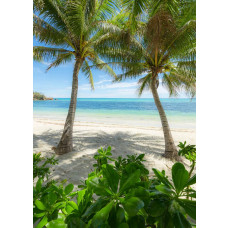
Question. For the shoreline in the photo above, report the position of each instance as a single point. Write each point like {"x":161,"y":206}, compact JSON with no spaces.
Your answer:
{"x":97,"y":124}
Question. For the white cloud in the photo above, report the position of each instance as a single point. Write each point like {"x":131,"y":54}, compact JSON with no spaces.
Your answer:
{"x":45,"y":63}
{"x":119,"y":85}
{"x":102,"y":82}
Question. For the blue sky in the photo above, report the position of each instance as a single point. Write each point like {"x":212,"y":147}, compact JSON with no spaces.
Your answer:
{"x":57,"y":83}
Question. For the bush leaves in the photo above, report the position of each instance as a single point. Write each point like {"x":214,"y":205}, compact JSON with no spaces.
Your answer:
{"x":133,"y":205}
{"x":180,"y":176}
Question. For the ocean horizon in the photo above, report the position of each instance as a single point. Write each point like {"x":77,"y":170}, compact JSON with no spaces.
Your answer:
{"x":181,"y":112}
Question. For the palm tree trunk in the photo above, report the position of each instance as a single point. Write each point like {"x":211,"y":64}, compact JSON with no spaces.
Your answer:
{"x":66,"y":142}
{"x":170,"y":148}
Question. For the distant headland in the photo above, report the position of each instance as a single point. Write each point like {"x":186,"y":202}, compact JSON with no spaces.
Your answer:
{"x":40,"y":97}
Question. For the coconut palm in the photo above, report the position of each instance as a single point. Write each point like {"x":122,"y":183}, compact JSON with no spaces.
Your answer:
{"x":155,"y":41}
{"x":70,"y":30}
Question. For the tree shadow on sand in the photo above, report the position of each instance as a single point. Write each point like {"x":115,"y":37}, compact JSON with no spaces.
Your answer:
{"x":76,"y":165}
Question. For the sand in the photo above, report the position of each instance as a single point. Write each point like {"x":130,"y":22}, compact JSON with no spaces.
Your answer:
{"x":88,"y":137}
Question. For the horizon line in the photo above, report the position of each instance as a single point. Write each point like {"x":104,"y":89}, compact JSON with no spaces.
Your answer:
{"x":126,"y":98}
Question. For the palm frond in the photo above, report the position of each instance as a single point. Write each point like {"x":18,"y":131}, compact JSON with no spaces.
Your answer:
{"x":183,"y":40}
{"x":53,"y":12}
{"x":99,"y":64}
{"x":135,"y":9}
{"x":144,"y":83}
{"x":88,"y":73}
{"x":44,"y":32}
{"x":61,"y":59}
{"x":171,"y":84}
{"x":45,"y":53}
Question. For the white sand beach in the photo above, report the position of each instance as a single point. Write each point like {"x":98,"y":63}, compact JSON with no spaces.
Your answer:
{"x":88,"y":137}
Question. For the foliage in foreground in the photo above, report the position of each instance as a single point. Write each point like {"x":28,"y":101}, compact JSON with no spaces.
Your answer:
{"x":118,"y":193}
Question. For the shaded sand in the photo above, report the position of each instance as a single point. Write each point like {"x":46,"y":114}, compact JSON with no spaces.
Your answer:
{"x":88,"y":137}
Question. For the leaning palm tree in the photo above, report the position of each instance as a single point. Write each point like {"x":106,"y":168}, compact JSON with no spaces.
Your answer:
{"x":155,"y":40}
{"x":70,"y":30}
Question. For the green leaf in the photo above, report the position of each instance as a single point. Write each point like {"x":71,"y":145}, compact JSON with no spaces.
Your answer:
{"x":141,"y":193}
{"x":112,"y":177}
{"x":56,"y":224}
{"x":191,"y":181}
{"x":162,"y":188}
{"x":52,"y":197}
{"x":43,"y":222}
{"x":156,"y":208}
{"x":180,"y":221}
{"x":120,"y":215}
{"x":101,"y":216}
{"x":73,"y":194}
{"x":98,"y":187}
{"x":109,"y":149}
{"x":59,"y":205}
{"x":68,"y":189}
{"x":162,"y":178}
{"x":141,"y":156}
{"x":133,"y":205}
{"x":39,"y":185}
{"x":126,"y":183}
{"x":180,"y":176}
{"x":80,"y":196}
{"x":73,"y":204}
{"x":40,"y":205}
{"x":101,"y":202}
{"x":69,"y":208}
{"x":39,"y":215}
{"x":189,"y":206}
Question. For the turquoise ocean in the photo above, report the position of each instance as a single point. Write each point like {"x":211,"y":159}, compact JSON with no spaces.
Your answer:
{"x":181,"y":112}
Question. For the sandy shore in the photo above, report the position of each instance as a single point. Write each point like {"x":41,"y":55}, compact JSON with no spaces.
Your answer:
{"x":88,"y":137}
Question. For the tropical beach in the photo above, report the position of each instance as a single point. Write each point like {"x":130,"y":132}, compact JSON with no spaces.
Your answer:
{"x":114,"y":149}
{"x":126,"y":128}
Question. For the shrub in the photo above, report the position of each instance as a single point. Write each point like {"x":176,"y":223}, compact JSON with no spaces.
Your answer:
{"x":41,"y":165}
{"x":118,"y":194}
{"x":38,"y":96}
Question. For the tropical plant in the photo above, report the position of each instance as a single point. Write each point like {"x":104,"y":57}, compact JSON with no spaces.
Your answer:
{"x":154,"y":40}
{"x":117,"y":196}
{"x":48,"y":200}
{"x":102,"y":158}
{"x":70,"y":29}
{"x":189,"y":152}
{"x":41,"y":165}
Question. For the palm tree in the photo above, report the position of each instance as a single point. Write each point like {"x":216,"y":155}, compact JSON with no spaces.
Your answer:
{"x":70,"y":29}
{"x":155,"y":40}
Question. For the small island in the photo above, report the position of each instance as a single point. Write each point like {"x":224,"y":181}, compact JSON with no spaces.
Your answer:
{"x":40,"y":97}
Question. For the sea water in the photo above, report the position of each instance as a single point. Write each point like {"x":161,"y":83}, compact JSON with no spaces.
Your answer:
{"x":181,"y":112}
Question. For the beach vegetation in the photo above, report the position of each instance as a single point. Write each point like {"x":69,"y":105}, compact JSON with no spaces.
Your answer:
{"x":70,"y":30}
{"x":41,"y":165}
{"x":116,"y":195}
{"x":155,"y":41}
{"x":40,"y":97}
{"x":189,"y":152}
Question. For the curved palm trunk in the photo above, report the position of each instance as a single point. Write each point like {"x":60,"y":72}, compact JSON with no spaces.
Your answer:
{"x":170,"y":148}
{"x":66,"y":143}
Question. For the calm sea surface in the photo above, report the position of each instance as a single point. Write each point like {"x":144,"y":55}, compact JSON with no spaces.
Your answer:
{"x":180,"y":112}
